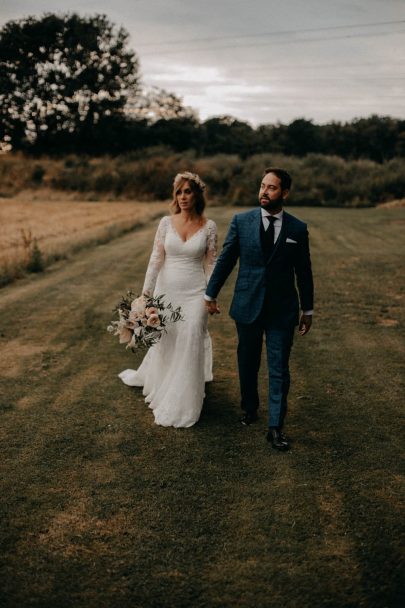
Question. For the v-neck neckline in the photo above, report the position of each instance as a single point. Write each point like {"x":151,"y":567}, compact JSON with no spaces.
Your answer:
{"x":191,"y":237}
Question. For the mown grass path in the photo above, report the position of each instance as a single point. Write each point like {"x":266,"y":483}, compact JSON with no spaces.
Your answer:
{"x":102,"y":508}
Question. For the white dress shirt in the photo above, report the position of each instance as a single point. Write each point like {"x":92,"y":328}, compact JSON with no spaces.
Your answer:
{"x":277,"y":223}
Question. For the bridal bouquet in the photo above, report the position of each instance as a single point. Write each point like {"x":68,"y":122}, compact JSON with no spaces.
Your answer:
{"x":142,"y":320}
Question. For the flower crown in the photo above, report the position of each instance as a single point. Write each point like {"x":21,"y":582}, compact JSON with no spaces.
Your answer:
{"x":190,"y":177}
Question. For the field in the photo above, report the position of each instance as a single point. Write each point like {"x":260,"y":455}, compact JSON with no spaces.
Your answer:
{"x":61,"y":227}
{"x":102,"y":508}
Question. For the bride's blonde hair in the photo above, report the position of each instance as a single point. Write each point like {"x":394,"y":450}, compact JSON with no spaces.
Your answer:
{"x":197,"y":187}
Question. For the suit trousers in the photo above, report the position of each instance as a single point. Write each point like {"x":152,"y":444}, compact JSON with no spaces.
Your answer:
{"x":278,"y":346}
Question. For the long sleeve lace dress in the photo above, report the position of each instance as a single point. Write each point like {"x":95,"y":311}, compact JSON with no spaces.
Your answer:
{"x":174,"y":371}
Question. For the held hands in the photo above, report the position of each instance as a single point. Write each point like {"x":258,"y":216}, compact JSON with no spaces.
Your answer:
{"x":305,"y":324}
{"x":212,"y":307}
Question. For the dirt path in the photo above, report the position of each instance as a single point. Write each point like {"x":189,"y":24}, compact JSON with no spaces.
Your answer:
{"x":102,"y":508}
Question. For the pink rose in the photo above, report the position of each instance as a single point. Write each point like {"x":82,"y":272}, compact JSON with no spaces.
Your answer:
{"x":151,"y":311}
{"x":153,"y":321}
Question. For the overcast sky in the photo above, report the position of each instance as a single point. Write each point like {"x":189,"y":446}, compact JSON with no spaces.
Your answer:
{"x":261,"y":61}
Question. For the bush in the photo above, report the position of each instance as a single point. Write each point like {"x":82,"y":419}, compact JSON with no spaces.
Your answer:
{"x":38,"y":174}
{"x":318,"y":180}
{"x":36,"y":260}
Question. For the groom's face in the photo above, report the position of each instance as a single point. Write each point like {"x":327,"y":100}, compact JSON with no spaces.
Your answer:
{"x":271,"y":196}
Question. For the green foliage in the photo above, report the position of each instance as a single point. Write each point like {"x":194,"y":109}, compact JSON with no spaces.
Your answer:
{"x":71,"y":83}
{"x":60,"y":75}
{"x":318,"y":180}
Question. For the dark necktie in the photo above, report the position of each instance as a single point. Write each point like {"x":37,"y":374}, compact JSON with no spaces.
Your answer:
{"x":269,"y":234}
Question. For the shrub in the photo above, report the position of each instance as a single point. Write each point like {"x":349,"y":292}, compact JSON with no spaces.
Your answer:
{"x":36,"y":260}
{"x":38,"y":174}
{"x":318,"y":180}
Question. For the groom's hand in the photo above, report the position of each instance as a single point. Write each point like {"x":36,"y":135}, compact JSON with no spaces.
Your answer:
{"x":212,"y":307}
{"x":305,"y":324}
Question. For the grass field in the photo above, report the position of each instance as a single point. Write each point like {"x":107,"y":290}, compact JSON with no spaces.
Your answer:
{"x":102,"y":508}
{"x":61,"y":227}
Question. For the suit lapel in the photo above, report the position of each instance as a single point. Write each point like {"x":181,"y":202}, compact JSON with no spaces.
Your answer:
{"x":255,"y":222}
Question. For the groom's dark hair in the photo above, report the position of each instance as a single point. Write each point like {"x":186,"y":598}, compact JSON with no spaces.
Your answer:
{"x":283,"y":176}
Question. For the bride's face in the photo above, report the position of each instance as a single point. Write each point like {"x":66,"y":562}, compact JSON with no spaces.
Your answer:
{"x":185,"y":197}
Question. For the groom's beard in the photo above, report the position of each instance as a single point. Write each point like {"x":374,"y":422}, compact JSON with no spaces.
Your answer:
{"x":271,"y":205}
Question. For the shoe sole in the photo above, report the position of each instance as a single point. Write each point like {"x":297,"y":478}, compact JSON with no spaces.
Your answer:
{"x":281,"y":449}
{"x":244,"y":423}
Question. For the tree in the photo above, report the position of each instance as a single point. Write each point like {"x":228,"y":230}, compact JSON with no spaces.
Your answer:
{"x":158,"y":104}
{"x":227,"y":135}
{"x":302,"y":137}
{"x":178,"y":133}
{"x":61,"y":74}
{"x":376,"y":137}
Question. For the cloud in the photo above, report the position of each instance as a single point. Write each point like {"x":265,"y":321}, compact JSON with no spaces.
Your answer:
{"x":262,"y":61}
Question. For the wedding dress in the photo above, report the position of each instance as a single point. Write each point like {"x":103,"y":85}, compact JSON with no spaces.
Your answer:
{"x":174,"y":371}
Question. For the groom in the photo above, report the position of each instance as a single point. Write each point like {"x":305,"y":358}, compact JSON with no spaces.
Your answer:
{"x":273,"y":251}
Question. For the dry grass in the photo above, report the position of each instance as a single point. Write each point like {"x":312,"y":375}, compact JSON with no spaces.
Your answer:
{"x":399,"y":202}
{"x":101,"y":508}
{"x":62,"y":227}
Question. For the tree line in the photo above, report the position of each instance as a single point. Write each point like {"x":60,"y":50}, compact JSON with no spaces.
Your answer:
{"x":71,"y":84}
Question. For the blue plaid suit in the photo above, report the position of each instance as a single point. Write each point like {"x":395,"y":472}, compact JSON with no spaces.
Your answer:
{"x":265,"y":301}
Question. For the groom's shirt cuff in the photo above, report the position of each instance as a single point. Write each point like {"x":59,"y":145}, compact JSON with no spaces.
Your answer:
{"x":307,"y":312}
{"x":208,"y":298}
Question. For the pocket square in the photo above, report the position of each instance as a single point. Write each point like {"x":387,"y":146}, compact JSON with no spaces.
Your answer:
{"x":290,"y":241}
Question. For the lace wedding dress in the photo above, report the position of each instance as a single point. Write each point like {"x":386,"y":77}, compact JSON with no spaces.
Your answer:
{"x":174,"y":371}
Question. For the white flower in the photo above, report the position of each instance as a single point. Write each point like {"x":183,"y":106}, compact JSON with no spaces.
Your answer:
{"x":187,"y":175}
{"x":133,"y":316}
{"x":121,"y":315}
{"x":138,"y":305}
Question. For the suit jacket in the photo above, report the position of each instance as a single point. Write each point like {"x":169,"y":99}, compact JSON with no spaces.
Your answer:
{"x":266,"y":285}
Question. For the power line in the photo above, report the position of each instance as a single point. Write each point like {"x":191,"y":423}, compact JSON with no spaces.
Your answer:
{"x":279,"y":42}
{"x":400,"y":78}
{"x":317,"y":66}
{"x":270,"y":34}
{"x":293,"y":100}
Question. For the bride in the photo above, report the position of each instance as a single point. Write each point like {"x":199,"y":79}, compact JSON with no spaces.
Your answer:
{"x":174,"y":371}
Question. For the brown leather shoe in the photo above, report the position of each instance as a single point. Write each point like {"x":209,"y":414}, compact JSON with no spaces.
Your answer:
{"x":278,"y":440}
